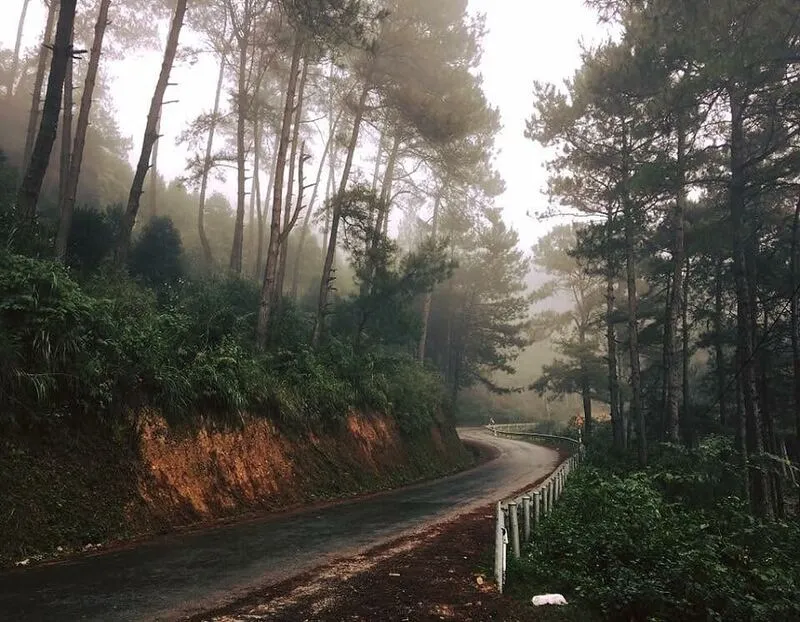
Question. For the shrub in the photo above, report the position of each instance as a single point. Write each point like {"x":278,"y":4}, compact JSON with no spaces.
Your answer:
{"x":156,"y":255}
{"x":91,"y":237}
{"x":114,"y":343}
{"x":616,"y":544}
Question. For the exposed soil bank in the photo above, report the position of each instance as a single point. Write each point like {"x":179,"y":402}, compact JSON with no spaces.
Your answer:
{"x":71,"y":487}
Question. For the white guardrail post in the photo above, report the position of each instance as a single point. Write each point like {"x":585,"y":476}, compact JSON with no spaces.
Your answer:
{"x":513,"y":521}
{"x":499,"y":548}
{"x":536,"y":504}
{"x":526,"y":518}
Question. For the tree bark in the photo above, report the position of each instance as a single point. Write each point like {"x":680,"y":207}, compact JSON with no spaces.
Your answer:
{"x":235,"y":264}
{"x":286,"y":229}
{"x":208,"y":258}
{"x":586,"y":389}
{"x":617,"y":423}
{"x":376,"y":172}
{"x":255,"y":195}
{"x":719,"y":351}
{"x":267,"y":300}
{"x":152,"y":209}
{"x":795,"y":315}
{"x":330,"y":189}
{"x":67,"y":208}
{"x":666,"y":356}
{"x":150,"y":135}
{"x":676,"y":307}
{"x":66,"y":132}
{"x":262,"y":215}
{"x":325,"y":281}
{"x":12,"y":76}
{"x":686,"y":423}
{"x":426,"y":305}
{"x":637,"y":412}
{"x":41,"y":67}
{"x":760,"y":500}
{"x":304,"y":231}
{"x":633,"y":339}
{"x":386,"y":187}
{"x":31,"y":187}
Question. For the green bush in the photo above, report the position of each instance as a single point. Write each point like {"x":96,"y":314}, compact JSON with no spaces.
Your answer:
{"x":113,"y":343}
{"x":156,"y":254}
{"x":617,"y":545}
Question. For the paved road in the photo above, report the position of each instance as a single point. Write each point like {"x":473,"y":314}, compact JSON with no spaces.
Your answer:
{"x":171,"y":577}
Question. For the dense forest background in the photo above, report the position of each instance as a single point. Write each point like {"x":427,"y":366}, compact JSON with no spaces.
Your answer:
{"x":364,"y":263}
{"x":298,"y":298}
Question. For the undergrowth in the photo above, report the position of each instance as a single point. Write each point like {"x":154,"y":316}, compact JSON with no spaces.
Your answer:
{"x":110,"y":342}
{"x":672,"y":543}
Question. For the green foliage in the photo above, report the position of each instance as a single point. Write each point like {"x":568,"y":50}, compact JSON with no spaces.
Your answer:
{"x":91,"y":237}
{"x":624,"y":546}
{"x":111,"y":344}
{"x":384,"y":310}
{"x":479,"y":318}
{"x":156,"y":255}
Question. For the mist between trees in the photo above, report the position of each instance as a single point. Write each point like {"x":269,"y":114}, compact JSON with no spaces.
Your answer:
{"x":334,"y":118}
{"x":665,"y":316}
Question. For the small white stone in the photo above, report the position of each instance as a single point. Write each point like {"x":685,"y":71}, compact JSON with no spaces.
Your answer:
{"x":548,"y":599}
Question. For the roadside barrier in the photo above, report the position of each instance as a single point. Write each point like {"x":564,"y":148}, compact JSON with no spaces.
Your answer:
{"x":534,"y":504}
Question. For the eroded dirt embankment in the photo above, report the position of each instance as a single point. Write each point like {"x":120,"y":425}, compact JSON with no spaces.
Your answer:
{"x":72,"y":487}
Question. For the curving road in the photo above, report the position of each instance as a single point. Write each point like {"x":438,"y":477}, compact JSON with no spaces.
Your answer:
{"x":172,"y":577}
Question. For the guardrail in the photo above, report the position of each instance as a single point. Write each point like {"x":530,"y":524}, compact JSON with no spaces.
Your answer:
{"x":535,"y":503}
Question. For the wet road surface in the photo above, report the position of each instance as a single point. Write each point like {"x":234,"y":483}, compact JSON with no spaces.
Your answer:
{"x":172,"y":577}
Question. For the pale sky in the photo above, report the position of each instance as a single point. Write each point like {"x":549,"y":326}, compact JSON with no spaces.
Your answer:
{"x":528,"y":40}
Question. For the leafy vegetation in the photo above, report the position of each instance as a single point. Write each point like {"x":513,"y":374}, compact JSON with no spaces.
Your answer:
{"x":112,"y":343}
{"x":673,"y":542}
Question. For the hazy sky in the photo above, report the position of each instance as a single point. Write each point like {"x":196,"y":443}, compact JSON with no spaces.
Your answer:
{"x":528,"y":40}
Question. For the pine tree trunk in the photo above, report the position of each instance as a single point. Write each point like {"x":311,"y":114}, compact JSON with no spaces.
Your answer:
{"x":666,"y":358}
{"x":31,"y":187}
{"x":719,"y":351}
{"x":740,"y":436}
{"x":675,"y":308}
{"x":386,"y":187}
{"x":267,"y":300}
{"x":637,"y":412}
{"x":686,"y":422}
{"x":208,"y":258}
{"x":767,"y":405}
{"x":325,"y":282}
{"x":67,"y":207}
{"x":286,"y":229}
{"x":262,"y":216}
{"x":760,"y":501}
{"x":255,"y":191}
{"x":617,"y":423}
{"x":633,"y":339}
{"x":66,"y":133}
{"x":235,"y":264}
{"x":586,"y":389}
{"x":12,"y":76}
{"x":376,"y":172}
{"x":152,"y":208}
{"x":41,"y":68}
{"x":426,"y":305}
{"x":795,"y":315}
{"x":301,"y":244}
{"x":150,"y":135}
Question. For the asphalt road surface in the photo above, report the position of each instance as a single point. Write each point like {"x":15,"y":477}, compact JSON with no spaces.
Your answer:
{"x":172,"y":577}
